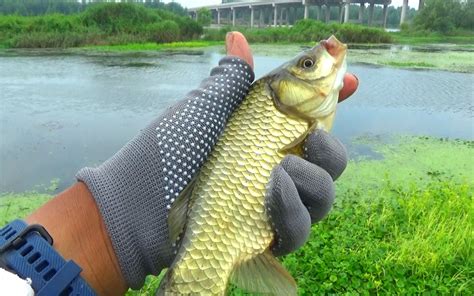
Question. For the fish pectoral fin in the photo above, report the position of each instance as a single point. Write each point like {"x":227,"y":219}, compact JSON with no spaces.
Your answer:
{"x":264,"y":274}
{"x":296,"y":147}
{"x":179,"y":212}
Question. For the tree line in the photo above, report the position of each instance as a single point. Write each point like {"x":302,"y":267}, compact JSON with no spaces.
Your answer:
{"x":41,"y":7}
{"x":445,"y":16}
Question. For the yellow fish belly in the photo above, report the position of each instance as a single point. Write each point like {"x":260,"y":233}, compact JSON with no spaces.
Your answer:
{"x":227,"y":223}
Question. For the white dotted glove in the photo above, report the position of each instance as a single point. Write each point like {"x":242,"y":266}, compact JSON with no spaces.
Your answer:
{"x":135,"y":188}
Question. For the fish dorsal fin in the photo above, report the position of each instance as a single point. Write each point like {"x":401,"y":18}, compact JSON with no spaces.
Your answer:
{"x":179,"y":212}
{"x":264,"y":274}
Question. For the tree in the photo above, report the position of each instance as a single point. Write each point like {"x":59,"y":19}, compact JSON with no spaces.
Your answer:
{"x":204,"y":16}
{"x":445,"y":15}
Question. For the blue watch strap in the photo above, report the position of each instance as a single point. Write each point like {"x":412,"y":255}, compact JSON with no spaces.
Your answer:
{"x":27,"y":251}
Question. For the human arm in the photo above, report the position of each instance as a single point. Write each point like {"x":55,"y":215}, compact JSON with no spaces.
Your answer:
{"x":72,"y":219}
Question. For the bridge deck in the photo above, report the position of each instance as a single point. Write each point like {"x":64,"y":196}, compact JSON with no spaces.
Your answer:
{"x":283,"y":2}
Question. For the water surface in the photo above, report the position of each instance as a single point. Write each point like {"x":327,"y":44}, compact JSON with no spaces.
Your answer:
{"x":61,"y":112}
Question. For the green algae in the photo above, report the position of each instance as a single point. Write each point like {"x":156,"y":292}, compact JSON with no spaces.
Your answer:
{"x":19,"y":205}
{"x":408,"y":159}
{"x":402,"y":224}
{"x":449,"y":60}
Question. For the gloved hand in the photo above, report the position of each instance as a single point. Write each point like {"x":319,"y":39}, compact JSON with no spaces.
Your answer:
{"x":301,"y":191}
{"x":136,"y":187}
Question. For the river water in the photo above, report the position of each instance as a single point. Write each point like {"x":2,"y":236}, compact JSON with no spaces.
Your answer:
{"x":60,"y":112}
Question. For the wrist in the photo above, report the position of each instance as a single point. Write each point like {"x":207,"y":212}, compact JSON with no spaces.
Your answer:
{"x":73,"y":220}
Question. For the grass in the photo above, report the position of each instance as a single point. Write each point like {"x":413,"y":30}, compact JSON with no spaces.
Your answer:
{"x":409,"y":64}
{"x":401,"y":38}
{"x":401,"y":225}
{"x":153,"y":46}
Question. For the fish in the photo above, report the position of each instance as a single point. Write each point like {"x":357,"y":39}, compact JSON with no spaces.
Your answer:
{"x":220,"y":218}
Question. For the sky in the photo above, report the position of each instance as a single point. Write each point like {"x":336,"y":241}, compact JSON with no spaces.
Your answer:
{"x":197,"y":3}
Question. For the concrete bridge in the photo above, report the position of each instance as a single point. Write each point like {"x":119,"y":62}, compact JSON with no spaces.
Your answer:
{"x":276,"y":12}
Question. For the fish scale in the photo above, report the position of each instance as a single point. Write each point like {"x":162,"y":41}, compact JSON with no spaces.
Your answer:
{"x":228,"y":223}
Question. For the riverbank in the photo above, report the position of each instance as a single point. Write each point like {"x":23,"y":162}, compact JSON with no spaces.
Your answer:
{"x":402,"y":223}
{"x":137,"y":47}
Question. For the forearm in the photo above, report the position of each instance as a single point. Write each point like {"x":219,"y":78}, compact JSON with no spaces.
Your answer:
{"x":73,"y":220}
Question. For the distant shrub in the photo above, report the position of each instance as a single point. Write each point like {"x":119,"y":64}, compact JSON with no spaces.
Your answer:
{"x":307,"y":31}
{"x":163,"y":32}
{"x":189,"y":28}
{"x":118,"y":18}
{"x":105,"y":23}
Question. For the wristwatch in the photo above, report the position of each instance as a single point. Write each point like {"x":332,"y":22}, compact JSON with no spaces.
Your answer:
{"x":27,"y":250}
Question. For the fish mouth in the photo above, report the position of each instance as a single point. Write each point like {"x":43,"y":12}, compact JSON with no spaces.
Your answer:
{"x":334,"y":47}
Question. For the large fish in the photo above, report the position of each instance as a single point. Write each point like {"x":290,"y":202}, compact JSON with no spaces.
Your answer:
{"x":226,"y":233}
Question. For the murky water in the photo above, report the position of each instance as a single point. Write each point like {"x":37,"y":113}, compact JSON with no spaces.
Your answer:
{"x":59,"y":113}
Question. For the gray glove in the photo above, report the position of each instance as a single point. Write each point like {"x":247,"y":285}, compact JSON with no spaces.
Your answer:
{"x":301,"y":192}
{"x":135,"y":188}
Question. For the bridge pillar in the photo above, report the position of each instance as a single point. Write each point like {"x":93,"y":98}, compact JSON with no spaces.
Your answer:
{"x":346,"y":11}
{"x":261,"y":20}
{"x":404,"y":11}
{"x":306,"y":10}
{"x":233,"y":16}
{"x":218,"y":17}
{"x":361,"y":12}
{"x":385,"y":15}
{"x":282,"y":12}
{"x":318,"y":12}
{"x":341,"y":13}
{"x":371,"y":13}
{"x":328,"y":13}
{"x":275,"y":15}
{"x":252,"y":11}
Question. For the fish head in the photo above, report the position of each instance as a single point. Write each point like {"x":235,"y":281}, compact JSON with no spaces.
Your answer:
{"x":307,"y":87}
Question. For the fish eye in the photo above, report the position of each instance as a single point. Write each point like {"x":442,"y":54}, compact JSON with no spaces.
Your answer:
{"x":307,"y":63}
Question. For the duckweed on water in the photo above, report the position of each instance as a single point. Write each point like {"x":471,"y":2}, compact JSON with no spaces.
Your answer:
{"x":19,"y":205}
{"x":453,"y":58}
{"x":402,"y":224}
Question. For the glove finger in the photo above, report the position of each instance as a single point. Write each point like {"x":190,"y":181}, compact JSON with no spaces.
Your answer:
{"x":290,"y":218}
{"x":326,"y":151}
{"x":315,"y":186}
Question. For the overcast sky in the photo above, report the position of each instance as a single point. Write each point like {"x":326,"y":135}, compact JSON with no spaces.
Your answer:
{"x":197,"y":3}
